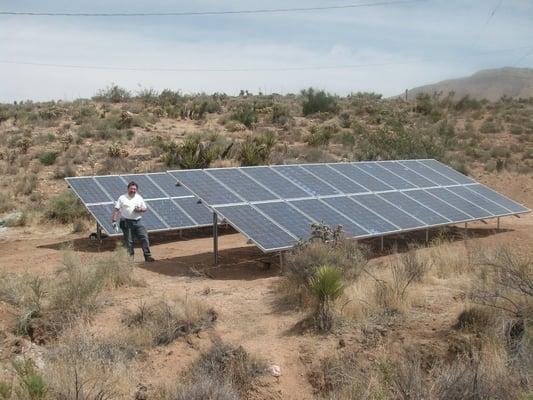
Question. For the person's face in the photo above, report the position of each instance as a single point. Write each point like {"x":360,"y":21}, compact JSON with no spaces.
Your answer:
{"x":132,"y":190}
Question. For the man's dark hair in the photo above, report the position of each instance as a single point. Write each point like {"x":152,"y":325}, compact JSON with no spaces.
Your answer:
{"x":133,"y":183}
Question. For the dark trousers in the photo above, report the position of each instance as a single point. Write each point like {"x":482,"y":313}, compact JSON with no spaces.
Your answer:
{"x":134,"y":229}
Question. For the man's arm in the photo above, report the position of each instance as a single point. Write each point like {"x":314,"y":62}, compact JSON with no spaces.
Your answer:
{"x":116,"y":211}
{"x":141,"y":207}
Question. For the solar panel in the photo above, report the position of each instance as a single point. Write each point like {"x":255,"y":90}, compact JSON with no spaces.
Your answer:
{"x":368,"y":181}
{"x":102,"y":213}
{"x":115,"y":186}
{"x":146,"y":188}
{"x":321,"y":213}
{"x":169,"y":212}
{"x":196,"y":210}
{"x":284,"y":188}
{"x":407,"y":174}
{"x":169,"y":185}
{"x":498,"y":198}
{"x":447,"y":171}
{"x":243,"y":185}
{"x":459,"y":203}
{"x":151,"y":221}
{"x":265,"y":233}
{"x":427,"y":172}
{"x":305,"y":180}
{"x":206,"y":187}
{"x":274,"y":206}
{"x":334,"y":178}
{"x":288,"y":217}
{"x":387,"y":211}
{"x":87,"y":190}
{"x":368,"y":220}
{"x":437,"y":205}
{"x":382,"y":174}
{"x":414,"y":208}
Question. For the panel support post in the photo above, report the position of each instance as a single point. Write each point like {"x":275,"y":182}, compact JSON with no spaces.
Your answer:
{"x":98,"y":232}
{"x":427,"y":236}
{"x":281,"y":262}
{"x":466,"y":231}
{"x":498,"y":224}
{"x":215,"y":238}
{"x":382,"y":242}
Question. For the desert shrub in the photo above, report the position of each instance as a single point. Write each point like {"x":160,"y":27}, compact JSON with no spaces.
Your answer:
{"x":64,"y":171}
{"x":224,"y":372}
{"x":281,"y":114}
{"x":31,"y":383}
{"x":198,"y":106}
{"x":25,"y":183}
{"x":317,"y":101}
{"x":48,"y":158}
{"x":116,"y":270}
{"x":474,"y":319}
{"x":6,"y":202}
{"x":327,"y":286}
{"x":467,"y":103}
{"x":116,"y":150}
{"x":488,"y":126}
{"x":396,"y":142}
{"x":303,"y":262}
{"x":166,"y":320}
{"x":113,"y":93}
{"x":194,"y":152}
{"x":256,"y":149}
{"x":64,"y":208}
{"x":321,"y":134}
{"x":246,"y":114}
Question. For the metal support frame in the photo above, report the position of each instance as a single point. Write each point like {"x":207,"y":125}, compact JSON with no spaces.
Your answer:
{"x":427,"y":236}
{"x":98,"y":232}
{"x":382,"y":242}
{"x":498,"y":224}
{"x":466,"y":231}
{"x":281,"y":261}
{"x":215,"y":238}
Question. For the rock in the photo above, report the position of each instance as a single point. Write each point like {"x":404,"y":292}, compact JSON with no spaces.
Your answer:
{"x":13,"y":219}
{"x":275,"y":370}
{"x":141,"y":393}
{"x":342,"y":343}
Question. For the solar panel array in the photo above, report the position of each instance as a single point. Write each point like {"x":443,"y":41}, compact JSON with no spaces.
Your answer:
{"x":274,"y":206}
{"x":169,"y":206}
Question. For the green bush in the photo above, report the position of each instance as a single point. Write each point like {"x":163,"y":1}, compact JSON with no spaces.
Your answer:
{"x":113,"y":94}
{"x":48,"y":158}
{"x":323,"y":133}
{"x":64,"y":208}
{"x":245,"y":114}
{"x":194,"y":152}
{"x":318,"y":101}
{"x":256,"y":150}
{"x":327,"y":286}
{"x":280,"y":114}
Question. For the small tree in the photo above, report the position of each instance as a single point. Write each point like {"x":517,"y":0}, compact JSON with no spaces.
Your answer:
{"x":327,"y":286}
{"x":318,"y":101}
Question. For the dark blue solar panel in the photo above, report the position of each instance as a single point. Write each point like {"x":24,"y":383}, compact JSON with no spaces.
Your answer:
{"x":407,"y":174}
{"x":114,"y":185}
{"x":498,"y":198}
{"x":410,"y":206}
{"x":244,"y":186}
{"x":170,"y":213}
{"x":321,"y":213}
{"x":168,"y":184}
{"x":206,"y":187}
{"x":447,"y":171}
{"x":196,"y":210}
{"x":275,"y":182}
{"x":289,"y":218}
{"x":88,"y":190}
{"x":361,"y":177}
{"x":427,"y":172}
{"x":386,"y":176}
{"x":459,"y":203}
{"x":146,"y":187}
{"x":478,"y":200}
{"x":437,"y":205}
{"x":257,"y":227}
{"x":388,"y":211}
{"x":151,"y":221}
{"x":367,"y":219}
{"x":334,"y":178}
{"x":102,"y":213}
{"x":305,"y":180}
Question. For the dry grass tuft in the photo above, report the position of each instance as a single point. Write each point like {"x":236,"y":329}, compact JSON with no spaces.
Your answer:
{"x":163,"y":321}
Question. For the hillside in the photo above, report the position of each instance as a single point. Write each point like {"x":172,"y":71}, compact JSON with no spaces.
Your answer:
{"x":490,"y":84}
{"x":79,"y":319}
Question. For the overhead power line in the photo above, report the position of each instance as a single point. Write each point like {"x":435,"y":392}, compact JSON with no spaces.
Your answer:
{"x":199,"y":13}
{"x":206,"y":69}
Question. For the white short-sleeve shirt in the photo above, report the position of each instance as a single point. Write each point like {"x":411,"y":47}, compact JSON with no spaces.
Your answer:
{"x":126,"y":204}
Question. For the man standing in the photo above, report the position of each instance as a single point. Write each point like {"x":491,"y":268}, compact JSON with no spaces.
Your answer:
{"x":130,"y":206}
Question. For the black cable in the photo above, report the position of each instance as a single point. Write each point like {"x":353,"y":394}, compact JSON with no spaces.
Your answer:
{"x":198,"y":13}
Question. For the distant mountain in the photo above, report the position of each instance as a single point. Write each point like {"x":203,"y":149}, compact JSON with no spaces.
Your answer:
{"x":488,"y":84}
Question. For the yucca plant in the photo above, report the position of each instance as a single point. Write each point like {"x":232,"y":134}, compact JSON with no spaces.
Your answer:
{"x":327,"y":286}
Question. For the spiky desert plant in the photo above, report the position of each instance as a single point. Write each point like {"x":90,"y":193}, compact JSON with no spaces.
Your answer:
{"x":327,"y":286}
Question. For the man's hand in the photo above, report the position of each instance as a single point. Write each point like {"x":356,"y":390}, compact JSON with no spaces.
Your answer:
{"x":115,"y":226}
{"x":139,"y":209}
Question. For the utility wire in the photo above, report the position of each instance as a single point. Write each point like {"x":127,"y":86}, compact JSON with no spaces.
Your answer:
{"x":491,"y":15}
{"x":523,"y":57}
{"x":199,"y":13}
{"x":207,"y":69}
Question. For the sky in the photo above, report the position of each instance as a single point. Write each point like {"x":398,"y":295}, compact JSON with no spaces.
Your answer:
{"x":383,"y":48}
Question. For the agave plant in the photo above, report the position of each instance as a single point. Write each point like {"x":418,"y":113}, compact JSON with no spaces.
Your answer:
{"x":327,"y":285}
